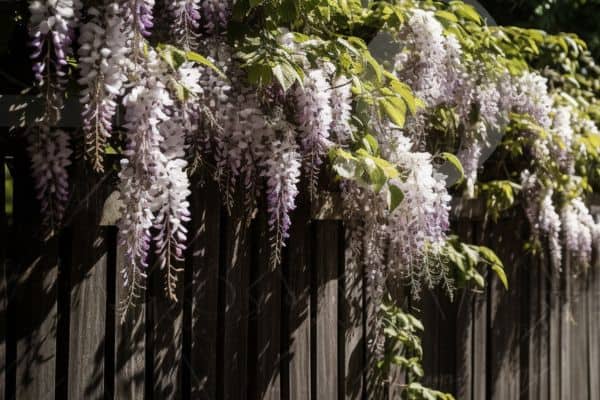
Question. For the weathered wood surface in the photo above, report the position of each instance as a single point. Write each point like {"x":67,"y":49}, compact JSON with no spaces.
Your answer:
{"x":245,"y":328}
{"x":3,"y":277}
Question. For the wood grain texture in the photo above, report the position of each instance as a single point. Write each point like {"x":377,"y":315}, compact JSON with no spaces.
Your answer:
{"x":235,"y":290}
{"x":88,"y":300}
{"x":326,"y":317}
{"x":351,"y":319}
{"x":464,"y":325}
{"x":504,"y":316}
{"x":35,"y":301}
{"x":264,"y":381}
{"x":593,"y":334}
{"x":554,"y":294}
{"x":167,"y":336}
{"x":578,"y":330}
{"x":203,"y":265}
{"x":565,"y":332}
{"x":130,"y":343}
{"x":296,"y":368}
{"x":3,"y":279}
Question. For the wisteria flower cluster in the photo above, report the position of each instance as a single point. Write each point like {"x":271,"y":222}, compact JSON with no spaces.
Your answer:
{"x":264,"y":110}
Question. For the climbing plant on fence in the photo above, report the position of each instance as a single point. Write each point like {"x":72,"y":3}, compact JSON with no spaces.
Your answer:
{"x":271,"y":97}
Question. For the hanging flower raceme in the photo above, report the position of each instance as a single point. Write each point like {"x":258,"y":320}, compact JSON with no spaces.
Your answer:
{"x":417,"y":228}
{"x":314,"y":115}
{"x":341,"y":109}
{"x":172,"y":186}
{"x":186,"y":22}
{"x":281,"y":169}
{"x":147,"y":106}
{"x":580,"y":230}
{"x":430,"y":63}
{"x":216,"y":15}
{"x":102,"y":52}
{"x":50,"y":154}
{"x":51,"y":27}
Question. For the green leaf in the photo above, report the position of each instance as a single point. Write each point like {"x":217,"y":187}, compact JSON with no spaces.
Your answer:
{"x":496,"y":264}
{"x":397,"y":115}
{"x":395,"y":197}
{"x":452,"y":159}
{"x":193,"y":56}
{"x":370,"y":144}
{"x":501,"y":274}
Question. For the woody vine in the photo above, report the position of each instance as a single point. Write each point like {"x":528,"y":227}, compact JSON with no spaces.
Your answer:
{"x":261,"y":95}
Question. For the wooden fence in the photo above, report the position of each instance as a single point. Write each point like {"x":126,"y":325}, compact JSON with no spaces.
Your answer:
{"x":243,"y":330}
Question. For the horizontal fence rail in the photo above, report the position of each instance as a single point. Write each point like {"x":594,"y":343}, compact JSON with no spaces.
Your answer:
{"x":245,"y":329}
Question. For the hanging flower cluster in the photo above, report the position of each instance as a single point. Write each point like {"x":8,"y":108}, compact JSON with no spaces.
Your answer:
{"x":261,"y":111}
{"x":51,"y":28}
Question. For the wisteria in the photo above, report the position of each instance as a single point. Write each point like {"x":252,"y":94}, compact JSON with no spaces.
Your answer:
{"x":260,"y":115}
{"x":186,"y":23}
{"x":50,"y":156}
{"x":216,"y":14}
{"x":313,"y":103}
{"x":101,"y":55}
{"x":51,"y":27}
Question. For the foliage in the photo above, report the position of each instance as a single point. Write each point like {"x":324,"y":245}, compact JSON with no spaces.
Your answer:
{"x":403,"y":349}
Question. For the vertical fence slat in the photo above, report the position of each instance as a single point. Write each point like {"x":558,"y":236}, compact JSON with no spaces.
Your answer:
{"x":167,"y":336}
{"x":35,"y":306}
{"x":543,"y":327}
{"x":504,"y":320}
{"x":88,"y":313}
{"x":3,"y":277}
{"x":351,"y":320}
{"x":374,"y":387}
{"x":579,"y":352}
{"x":326,"y":318}
{"x":204,"y":266}
{"x":3,"y":283}
{"x":565,"y":321}
{"x":235,"y":285}
{"x":296,"y":372}
{"x":264,"y":377}
{"x":554,"y":294}
{"x":464,"y":325}
{"x":594,"y":325}
{"x":130,"y":343}
{"x":479,"y":345}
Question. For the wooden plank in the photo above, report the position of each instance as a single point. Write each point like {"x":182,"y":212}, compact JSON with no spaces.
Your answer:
{"x":351,"y":317}
{"x":375,"y":387}
{"x":579,"y":352}
{"x":565,"y":321}
{"x":3,"y":276}
{"x":167,"y":336}
{"x":439,"y":340}
{"x":234,"y":291}
{"x":130,"y":343}
{"x":88,"y":300}
{"x":479,"y":366}
{"x":533,"y":334}
{"x":396,"y":378}
{"x":326,"y":316}
{"x":594,"y":325}
{"x":36,"y":292}
{"x":264,"y":382}
{"x":504,"y":314}
{"x":296,"y":370}
{"x":203,"y":265}
{"x":464,"y":326}
{"x":540,"y":354}
{"x":554,"y":294}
